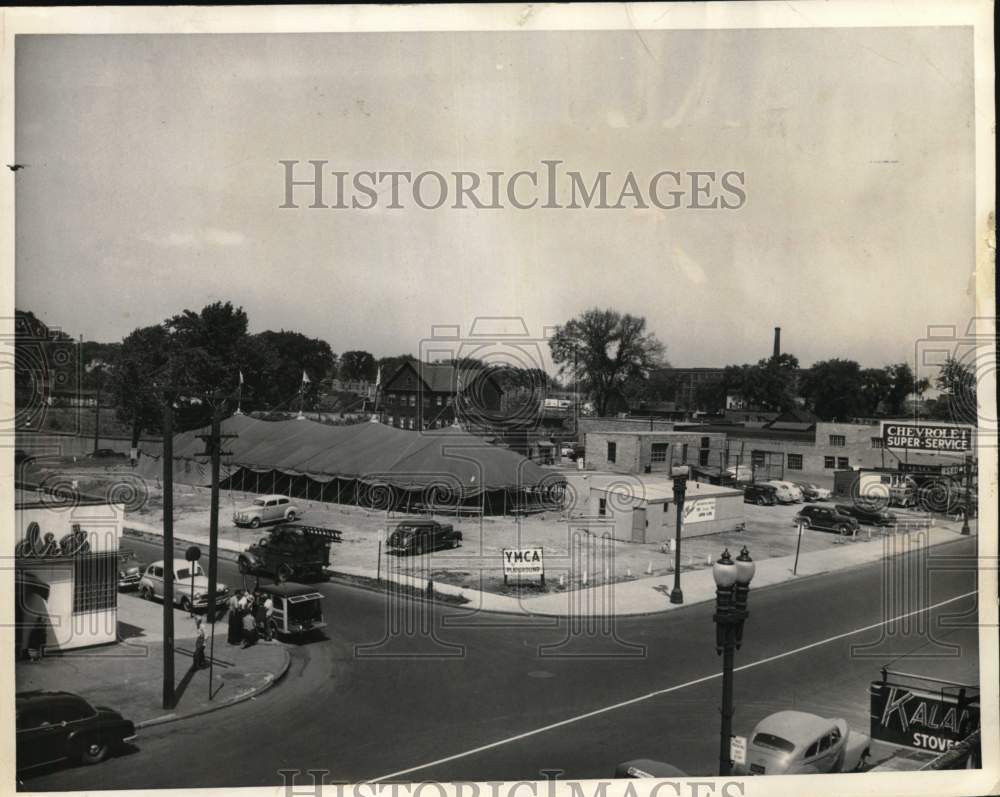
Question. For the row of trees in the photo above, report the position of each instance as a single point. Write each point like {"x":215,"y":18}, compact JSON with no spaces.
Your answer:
{"x":615,"y":357}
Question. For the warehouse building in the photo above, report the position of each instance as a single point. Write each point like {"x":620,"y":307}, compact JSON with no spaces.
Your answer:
{"x":643,"y":510}
{"x":652,"y":452}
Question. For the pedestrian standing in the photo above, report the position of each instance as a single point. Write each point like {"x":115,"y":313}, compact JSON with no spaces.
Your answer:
{"x":268,"y":614}
{"x":199,"y":644}
{"x":235,"y":627}
{"x":249,"y":630}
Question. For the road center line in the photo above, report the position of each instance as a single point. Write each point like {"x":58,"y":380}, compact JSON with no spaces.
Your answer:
{"x":659,"y":692}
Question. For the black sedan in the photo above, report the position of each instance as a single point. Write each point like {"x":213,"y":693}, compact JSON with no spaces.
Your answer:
{"x":52,"y":726}
{"x":868,"y":515}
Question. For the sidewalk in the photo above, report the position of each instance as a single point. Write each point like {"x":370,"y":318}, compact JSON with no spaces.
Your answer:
{"x":638,"y":596}
{"x":128,"y":676}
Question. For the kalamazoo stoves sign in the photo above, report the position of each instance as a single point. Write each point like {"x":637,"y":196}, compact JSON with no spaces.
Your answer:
{"x":927,"y":437}
{"x":909,"y":717}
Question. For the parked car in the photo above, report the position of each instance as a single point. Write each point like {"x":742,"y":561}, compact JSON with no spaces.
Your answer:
{"x":813,"y":492}
{"x":787,"y":493}
{"x":826,"y":518}
{"x":868,"y":515}
{"x":760,"y":494}
{"x":799,"y":743}
{"x":298,"y":608}
{"x":52,"y":726}
{"x":106,"y":453}
{"x":421,"y":536}
{"x":290,"y":553}
{"x":266,"y":509}
{"x":903,"y":495}
{"x":190,"y":585}
{"x":647,"y":768}
{"x":129,"y":570}
{"x":568,"y":450}
{"x":741,"y":473}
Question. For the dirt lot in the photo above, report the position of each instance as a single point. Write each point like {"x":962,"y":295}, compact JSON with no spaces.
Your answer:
{"x":573,"y":557}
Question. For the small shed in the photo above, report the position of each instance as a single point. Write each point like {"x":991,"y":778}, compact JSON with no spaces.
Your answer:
{"x":643,"y":509}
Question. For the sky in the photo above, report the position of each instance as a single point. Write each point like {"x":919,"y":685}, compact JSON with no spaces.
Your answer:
{"x":153,"y":184}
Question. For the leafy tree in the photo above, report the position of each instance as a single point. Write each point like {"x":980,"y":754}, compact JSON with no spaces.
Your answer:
{"x":140,"y":359}
{"x":901,"y":385}
{"x":770,"y":384}
{"x":281,"y":358}
{"x":357,"y":365}
{"x":957,"y":383}
{"x":833,"y":389}
{"x":710,"y":395}
{"x":605,"y":350}
{"x":876,"y":388}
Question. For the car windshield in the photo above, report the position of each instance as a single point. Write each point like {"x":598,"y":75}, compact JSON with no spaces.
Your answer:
{"x":774,"y":742}
{"x":185,"y":572}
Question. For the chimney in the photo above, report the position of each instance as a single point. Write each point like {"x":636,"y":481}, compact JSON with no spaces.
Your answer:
{"x":777,"y":342}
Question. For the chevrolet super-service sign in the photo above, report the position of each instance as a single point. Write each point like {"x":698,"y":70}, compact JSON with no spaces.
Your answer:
{"x":523,"y":562}
{"x":927,"y":436}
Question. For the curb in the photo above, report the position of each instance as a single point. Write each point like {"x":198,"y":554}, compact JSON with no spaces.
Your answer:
{"x":273,"y":681}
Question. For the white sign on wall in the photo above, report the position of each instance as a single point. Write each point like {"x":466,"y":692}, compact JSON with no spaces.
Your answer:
{"x":738,"y":749}
{"x":699,"y":510}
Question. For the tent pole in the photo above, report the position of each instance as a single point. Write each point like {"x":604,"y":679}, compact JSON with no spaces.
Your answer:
{"x":258,"y":484}
{"x":274,"y":482}
{"x":338,"y":491}
{"x":321,"y":485}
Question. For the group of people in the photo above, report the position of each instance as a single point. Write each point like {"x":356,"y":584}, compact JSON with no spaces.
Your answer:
{"x":249,"y":616}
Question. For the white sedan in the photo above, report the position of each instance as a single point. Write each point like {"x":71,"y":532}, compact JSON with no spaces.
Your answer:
{"x":797,"y":743}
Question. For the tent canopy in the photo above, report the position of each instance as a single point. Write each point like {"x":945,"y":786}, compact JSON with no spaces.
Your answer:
{"x":371,"y":453}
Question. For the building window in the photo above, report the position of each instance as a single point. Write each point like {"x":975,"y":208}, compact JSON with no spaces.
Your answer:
{"x":602,"y":506}
{"x":612,"y":451}
{"x":705,"y":442}
{"x":439,"y":400}
{"x":877,"y":442}
{"x":756,"y":457}
{"x":413,"y":400}
{"x":392,"y":420}
{"x":838,"y":440}
{"x":842,"y":463}
{"x":795,"y":462}
{"x":684,"y":453}
{"x":659,"y":453}
{"x":703,"y":457}
{"x":829,"y":463}
{"x":95,"y":582}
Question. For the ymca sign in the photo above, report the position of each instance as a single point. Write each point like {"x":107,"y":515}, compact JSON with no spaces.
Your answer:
{"x":926,"y":720}
{"x":522,"y":562}
{"x":927,"y":437}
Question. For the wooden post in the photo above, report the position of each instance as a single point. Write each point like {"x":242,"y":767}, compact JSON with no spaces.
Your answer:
{"x":168,"y":552}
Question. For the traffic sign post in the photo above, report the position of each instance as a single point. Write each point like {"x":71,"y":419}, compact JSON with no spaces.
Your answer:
{"x":738,"y":750}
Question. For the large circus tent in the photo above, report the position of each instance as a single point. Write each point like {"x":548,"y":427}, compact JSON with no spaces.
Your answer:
{"x":368,"y":464}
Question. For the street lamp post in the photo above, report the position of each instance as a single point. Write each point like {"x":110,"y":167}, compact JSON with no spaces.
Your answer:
{"x":680,"y":487}
{"x":968,"y":496}
{"x":732,"y":587}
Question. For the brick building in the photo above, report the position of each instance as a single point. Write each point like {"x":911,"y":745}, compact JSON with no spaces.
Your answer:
{"x":423,"y":396}
{"x":634,"y":451}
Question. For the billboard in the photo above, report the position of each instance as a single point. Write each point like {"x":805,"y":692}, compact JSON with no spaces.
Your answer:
{"x":922,"y":719}
{"x":927,"y":437}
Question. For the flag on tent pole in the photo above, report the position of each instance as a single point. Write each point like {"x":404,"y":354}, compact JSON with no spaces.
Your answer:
{"x":305,"y":378}
{"x":239,"y":395}
{"x":241,"y":377}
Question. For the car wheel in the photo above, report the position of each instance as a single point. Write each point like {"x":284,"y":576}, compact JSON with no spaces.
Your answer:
{"x":255,"y":523}
{"x":185,"y":604}
{"x":244,"y":566}
{"x":760,"y":500}
{"x":284,"y":573}
{"x":843,"y":530}
{"x":455,"y":542}
{"x":93,"y":751}
{"x":290,"y":517}
{"x":807,"y":523}
{"x":146,"y":593}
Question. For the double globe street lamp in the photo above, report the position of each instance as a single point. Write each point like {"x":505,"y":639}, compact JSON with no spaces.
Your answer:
{"x":732,"y":587}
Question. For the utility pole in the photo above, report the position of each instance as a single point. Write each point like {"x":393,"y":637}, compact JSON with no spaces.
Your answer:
{"x":97,"y":409}
{"x":168,"y":552}
{"x":213,"y":449}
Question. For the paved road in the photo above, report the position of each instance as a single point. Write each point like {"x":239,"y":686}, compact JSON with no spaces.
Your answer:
{"x":496,"y":697}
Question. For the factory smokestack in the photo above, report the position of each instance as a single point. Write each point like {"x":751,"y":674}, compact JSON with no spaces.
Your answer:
{"x":777,"y":342}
